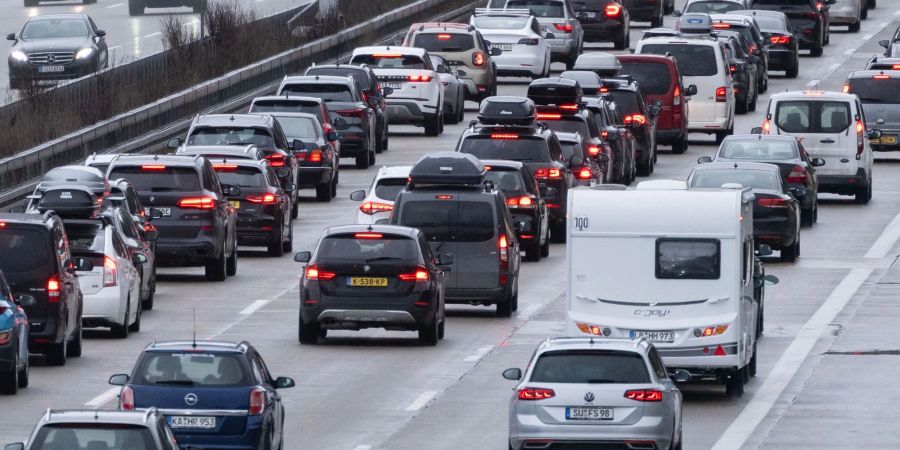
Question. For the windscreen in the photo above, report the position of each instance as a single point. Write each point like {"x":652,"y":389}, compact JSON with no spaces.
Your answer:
{"x":265,"y":106}
{"x":654,"y":78}
{"x":231,"y":136}
{"x":758,"y":149}
{"x":590,"y":367}
{"x":390,"y":61}
{"x":539,"y":8}
{"x":86,"y":237}
{"x":627,"y":101}
{"x":359,"y":75}
{"x":812,"y":116}
{"x":687,"y":259}
{"x":500,"y":23}
{"x":692,"y":60}
{"x":240,"y":176}
{"x":303,"y":128}
{"x":349,"y":248}
{"x":521,"y":149}
{"x":754,"y":179}
{"x":389,"y":188}
{"x":444,"y":42}
{"x":870,"y":90}
{"x":446,"y":221}
{"x":508,"y":181}
{"x":569,"y":125}
{"x":54,"y":28}
{"x":158,"y":178}
{"x":191,"y":368}
{"x":107,"y":436}
{"x":713,"y":7}
{"x":23,"y":250}
{"x":325,"y":91}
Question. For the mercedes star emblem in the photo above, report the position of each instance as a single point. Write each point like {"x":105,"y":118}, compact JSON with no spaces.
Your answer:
{"x":190,"y":399}
{"x":51,"y":59}
{"x":589,"y":397}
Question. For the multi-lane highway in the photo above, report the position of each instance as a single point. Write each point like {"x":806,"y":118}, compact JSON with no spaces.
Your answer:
{"x":374,"y":389}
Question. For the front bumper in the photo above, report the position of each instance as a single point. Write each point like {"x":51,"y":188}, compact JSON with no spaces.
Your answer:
{"x":75,"y":69}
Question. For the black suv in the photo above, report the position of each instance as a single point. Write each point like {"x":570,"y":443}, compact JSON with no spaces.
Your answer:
{"x":523,"y":198}
{"x":752,"y":41}
{"x":638,"y":116}
{"x":372,"y":276}
{"x":605,"y":21}
{"x":808,"y":20}
{"x":617,"y":136}
{"x":196,"y":222}
{"x":35,"y":257}
{"x":515,"y":136}
{"x":372,"y":94}
{"x":743,"y":71}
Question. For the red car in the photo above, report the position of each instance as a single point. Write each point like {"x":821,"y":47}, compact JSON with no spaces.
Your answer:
{"x":660,"y":79}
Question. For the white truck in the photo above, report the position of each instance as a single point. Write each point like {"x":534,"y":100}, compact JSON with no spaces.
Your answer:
{"x":676,"y":266}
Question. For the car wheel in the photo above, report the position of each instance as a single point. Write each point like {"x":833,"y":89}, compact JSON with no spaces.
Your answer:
{"x":734,"y":384}
{"x":231,"y":263}
{"x":806,"y":217}
{"x":790,"y":254}
{"x":441,"y":328}
{"x":752,"y":105}
{"x":645,"y":169}
{"x":462,"y":109}
{"x":854,"y":27}
{"x":362,"y":161}
{"x":323,"y":192}
{"x":135,"y":7}
{"x":545,"y":249}
{"x":73,"y":349}
{"x":9,"y":381}
{"x":372,"y":157}
{"x":288,"y":245}
{"x":863,"y":195}
{"x":276,"y":243}
{"x":741,"y":107}
{"x":864,"y":14}
{"x":680,"y":146}
{"x":514,"y":301}
{"x":121,"y":331}
{"x":215,"y":269}
{"x":309,"y":332}
{"x":428,"y":335}
{"x":433,"y":125}
{"x":24,"y":374}
{"x":136,"y":326}
{"x":816,"y":51}
{"x":533,"y":251}
{"x":147,"y":303}
{"x":295,"y":209}
{"x":56,"y":353}
{"x":453,"y":119}
{"x":558,"y":231}
{"x":720,"y":136}
{"x":504,"y":308}
{"x":621,"y":43}
{"x":657,"y":22}
{"x":794,"y":69}
{"x":751,"y":367}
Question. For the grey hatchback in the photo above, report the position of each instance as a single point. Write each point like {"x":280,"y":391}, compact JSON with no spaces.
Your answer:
{"x":595,"y":393}
{"x":72,"y":429}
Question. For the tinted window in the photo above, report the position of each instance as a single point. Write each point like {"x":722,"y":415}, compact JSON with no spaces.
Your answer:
{"x":389,"y":188}
{"x":583,"y":367}
{"x":654,"y":78}
{"x":231,"y":136}
{"x":770,"y":23}
{"x":589,"y":5}
{"x":687,"y":259}
{"x":55,"y":28}
{"x":781,"y":4}
{"x":299,"y":127}
{"x":159,"y":180}
{"x":76,"y":436}
{"x":692,"y":60}
{"x":627,"y":101}
{"x":240,"y":176}
{"x":507,"y":181}
{"x":527,"y":150}
{"x":500,"y":23}
{"x":286,"y":106}
{"x":191,"y":369}
{"x":348,"y":247}
{"x":871,"y":90}
{"x":755,"y":179}
{"x":448,"y":221}
{"x":539,"y":8}
{"x":752,"y":149}
{"x":583,"y":77}
{"x":23,"y":250}
{"x":89,"y":237}
{"x":444,"y":42}
{"x":811,"y":116}
{"x":569,"y":125}
{"x":360,"y":76}
{"x":571,"y":149}
{"x":327,"y":92}
{"x":713,"y":7}
{"x":390,"y":61}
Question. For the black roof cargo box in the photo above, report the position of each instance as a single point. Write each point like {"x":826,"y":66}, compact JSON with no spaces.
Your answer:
{"x":507,"y":111}
{"x":447,"y":168}
{"x":70,"y":201}
{"x":555,"y":91}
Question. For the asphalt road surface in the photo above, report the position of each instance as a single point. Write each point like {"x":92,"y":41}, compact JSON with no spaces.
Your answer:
{"x":375,"y":389}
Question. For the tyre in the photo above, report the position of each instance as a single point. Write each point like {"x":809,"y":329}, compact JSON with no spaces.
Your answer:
{"x":558,"y":231}
{"x":854,"y":27}
{"x":752,"y":105}
{"x":514,"y":301}
{"x":720,"y":136}
{"x":295,"y":209}
{"x":545,"y":249}
{"x":645,"y":169}
{"x":621,"y":43}
{"x":288,"y":245}
{"x":764,"y":85}
{"x":657,"y":22}
{"x":794,"y":69}
{"x":323,"y":192}
{"x":309,"y":332}
{"x":362,"y":162}
{"x":428,"y":335}
{"x":533,"y":251}
{"x":734,"y":384}
{"x":371,"y":157}
{"x":433,"y":125}
{"x":147,"y":303}
{"x":441,"y":328}
{"x":462,"y":109}
{"x":24,"y":374}
{"x":276,"y":243}
{"x":9,"y":381}
{"x":864,"y":14}
{"x":380,"y":144}
{"x":872,"y":4}
{"x":231,"y":264}
{"x":751,"y":367}
{"x":135,"y":7}
{"x":807,"y":217}
{"x":680,"y":146}
{"x":504,"y":308}
{"x":863,"y":195}
{"x":121,"y":331}
{"x":56,"y":353}
{"x":216,"y":269}
{"x":668,"y":8}
{"x":74,"y":348}
{"x":816,"y":51}
{"x":790,"y":254}
{"x":136,"y":326}
{"x":742,"y":107}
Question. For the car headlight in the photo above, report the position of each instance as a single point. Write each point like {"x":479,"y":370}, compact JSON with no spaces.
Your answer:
{"x":18,"y":55}
{"x":84,"y":53}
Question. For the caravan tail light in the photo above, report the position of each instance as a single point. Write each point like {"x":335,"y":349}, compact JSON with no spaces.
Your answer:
{"x":797,"y":175}
{"x":371,"y":208}
{"x":644,"y":395}
{"x":721,"y":94}
{"x":110,"y":277}
{"x":530,"y":393}
{"x":860,"y":138}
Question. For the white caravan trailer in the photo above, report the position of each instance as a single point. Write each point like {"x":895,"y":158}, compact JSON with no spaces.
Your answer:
{"x":670,"y":264}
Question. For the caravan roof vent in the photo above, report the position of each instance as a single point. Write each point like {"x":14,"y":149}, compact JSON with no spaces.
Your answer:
{"x":507,"y":111}
{"x":662,"y":185}
{"x":447,"y":168}
{"x":604,"y":64}
{"x":70,"y":202}
{"x":555,"y":91}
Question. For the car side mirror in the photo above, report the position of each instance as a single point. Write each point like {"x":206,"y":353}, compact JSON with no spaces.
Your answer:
{"x":764,"y":250}
{"x":83,"y":265}
{"x":576,"y":160}
{"x":25,"y":300}
{"x":151,"y":236}
{"x":174,"y":143}
{"x":514,"y":374}
{"x":874,"y":134}
{"x":382,"y":222}
{"x":290,"y":187}
{"x":358,"y":196}
{"x":884,"y":43}
{"x":231,"y":190}
{"x":283,"y":172}
{"x":139,"y":259}
{"x":756,"y":130}
{"x":119,"y":379}
{"x":155,"y":213}
{"x":101,"y":33}
{"x":284,"y":383}
{"x":582,"y":16}
{"x":332,"y":136}
{"x":496,"y":51}
{"x":386,"y":90}
{"x":691,"y":90}
{"x":548,"y":191}
{"x":677,"y":13}
{"x":16,"y":446}
{"x":520,"y":225}
{"x":12,"y":37}
{"x":302,"y":257}
{"x":612,"y":135}
{"x":771,"y":280}
{"x":704,"y":160}
{"x":444,"y":259}
{"x":340,"y":123}
{"x":817,"y":162}
{"x":655,"y":110}
{"x":681,"y":376}
{"x":297,"y":145}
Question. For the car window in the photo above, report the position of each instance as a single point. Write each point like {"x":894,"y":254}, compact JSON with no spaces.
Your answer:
{"x":571,"y":149}
{"x":657,"y":364}
{"x":570,"y":125}
{"x":54,"y":28}
{"x":93,"y":435}
{"x":390,"y":61}
{"x":758,"y":149}
{"x":500,"y":23}
{"x":590,"y":367}
{"x":359,"y":75}
{"x":713,"y":7}
{"x":239,"y":175}
{"x":286,"y":106}
{"x":654,"y":78}
{"x":23,"y":250}
{"x":754,"y":179}
{"x":812,"y":116}
{"x":768,"y":23}
{"x":508,"y":181}
{"x":389,"y":188}
{"x":556,"y":153}
{"x":692,"y":60}
{"x":444,"y":221}
{"x":158,"y":178}
{"x":782,"y":4}
{"x":444,"y":42}
{"x":687,"y":259}
{"x":231,"y":136}
{"x":347,"y":247}
{"x":193,"y":368}
{"x":873,"y":90}
{"x":329,"y":92}
{"x":118,"y":245}
{"x":303,"y":128}
{"x":525,"y":149}
{"x":86,"y":237}
{"x":628,"y":102}
{"x":539,"y":8}
{"x":129,"y":227}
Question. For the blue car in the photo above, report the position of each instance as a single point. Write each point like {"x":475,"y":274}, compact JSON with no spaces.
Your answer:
{"x":213,"y":394}
{"x":13,"y":339}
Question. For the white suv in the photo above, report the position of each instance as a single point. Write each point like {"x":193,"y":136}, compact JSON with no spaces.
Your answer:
{"x":417,"y":95}
{"x":831,"y":126}
{"x":378,"y":203}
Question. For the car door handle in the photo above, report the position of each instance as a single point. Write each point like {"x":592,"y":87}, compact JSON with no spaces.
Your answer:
{"x":827,"y":141}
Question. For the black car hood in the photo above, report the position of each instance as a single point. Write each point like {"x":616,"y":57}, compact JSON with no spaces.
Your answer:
{"x":53,"y":44}
{"x":889,"y":112}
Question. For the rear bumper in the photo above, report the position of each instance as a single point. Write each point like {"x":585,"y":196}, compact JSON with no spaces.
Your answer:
{"x":401,"y":111}
{"x":187,"y":252}
{"x":311,"y":176}
{"x":781,"y":59}
{"x":776,"y":231}
{"x":356,"y":313}
{"x":104,"y":308}
{"x":529,"y":427}
{"x":562,"y":49}
{"x":843,"y":14}
{"x":669,"y":136}
{"x":843,"y":184}
{"x":607,"y":30}
{"x":485,"y":296}
{"x":642,"y":13}
{"x":719,"y":124}
{"x":876,"y":144}
{"x":520,"y":64}
{"x":250,"y":439}
{"x":256,"y":230}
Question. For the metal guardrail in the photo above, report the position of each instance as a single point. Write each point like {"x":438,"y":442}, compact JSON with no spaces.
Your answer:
{"x":154,"y":123}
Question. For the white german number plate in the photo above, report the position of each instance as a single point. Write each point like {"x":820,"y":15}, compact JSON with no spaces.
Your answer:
{"x":588,"y":413}
{"x":654,"y":336}
{"x":192,"y":422}
{"x":51,"y":69}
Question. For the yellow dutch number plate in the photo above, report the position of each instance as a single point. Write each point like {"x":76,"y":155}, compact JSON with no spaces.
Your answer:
{"x":236,"y":204}
{"x":367,"y":282}
{"x":889,"y":139}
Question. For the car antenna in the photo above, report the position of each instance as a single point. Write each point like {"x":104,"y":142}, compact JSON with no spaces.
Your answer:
{"x":370,"y":227}
{"x":194,"y":317}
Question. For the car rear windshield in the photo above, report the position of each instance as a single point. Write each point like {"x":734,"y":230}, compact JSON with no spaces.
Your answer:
{"x":389,"y":188}
{"x":54,"y":28}
{"x":571,"y":149}
{"x":521,"y":149}
{"x":684,"y":259}
{"x":94,"y":435}
{"x":240,"y":176}
{"x":770,"y":24}
{"x":390,"y":61}
{"x":654,"y":78}
{"x":286,"y":106}
{"x":781,"y":4}
{"x":569,"y":125}
{"x":754,"y":179}
{"x":303,"y":128}
{"x":627,"y":101}
{"x":500,"y":23}
{"x":191,"y":368}
{"x":870,"y":90}
{"x":539,"y":8}
{"x":506,"y":180}
{"x":154,"y":178}
{"x":590,"y":367}
{"x":692,"y":60}
{"x":231,"y":136}
{"x":588,"y":5}
{"x":86,"y":237}
{"x":713,"y":7}
{"x":23,"y":250}
{"x":325,"y":91}
{"x":812,"y":116}
{"x":444,"y":42}
{"x":758,"y":149}
{"x":359,"y":75}
{"x":347,"y":247}
{"x":449,"y":221}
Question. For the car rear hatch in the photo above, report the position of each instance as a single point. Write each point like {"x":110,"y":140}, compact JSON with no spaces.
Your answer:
{"x":367,"y":267}
{"x":457,"y":48}
{"x":826,"y":129}
{"x":254,"y":197}
{"x":769,"y":204}
{"x":698,"y":66}
{"x":27,"y":262}
{"x":88,"y":240}
{"x":880,"y":102}
{"x":655,"y":79}
{"x":597,"y":11}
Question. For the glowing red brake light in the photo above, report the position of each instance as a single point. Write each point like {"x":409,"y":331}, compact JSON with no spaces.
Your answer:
{"x":314,"y":274}
{"x":568,"y":107}
{"x":109,"y":272}
{"x":860,"y":138}
{"x":548,"y":116}
{"x":721,"y":26}
{"x":721,"y":94}
{"x":772,"y":203}
{"x":520,"y":202}
{"x":504,"y":136}
{"x":478,"y":59}
{"x":895,"y":67}
{"x":265,"y":199}
{"x":567,"y":27}
{"x":594,"y":150}
{"x":371,"y":208}
{"x":257,"y":402}
{"x":612,"y":10}
{"x":766,"y":127}
{"x":197,"y":203}
{"x":797,"y":175}
{"x":732,"y":68}
{"x":585,"y":173}
{"x":368,"y":235}
{"x":503,"y":247}
{"x":53,"y":289}
{"x":636,"y":118}
{"x":845,"y":88}
{"x":126,"y":399}
{"x":548,"y":174}
{"x":421,"y":275}
{"x":881,"y":76}
{"x":275,"y":159}
{"x":149,"y":167}
{"x":780,"y":40}
{"x":225,"y":167}
{"x":644,"y":395}
{"x":530,"y":393}
{"x":443,"y":37}
{"x":419,"y":78}
{"x":387,"y":55}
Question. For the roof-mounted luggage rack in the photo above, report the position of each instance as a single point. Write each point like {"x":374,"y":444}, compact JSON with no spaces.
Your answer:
{"x":447,"y":169}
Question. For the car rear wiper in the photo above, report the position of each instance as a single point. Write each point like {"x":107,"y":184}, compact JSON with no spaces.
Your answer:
{"x":176,"y":382}
{"x":384,"y":258}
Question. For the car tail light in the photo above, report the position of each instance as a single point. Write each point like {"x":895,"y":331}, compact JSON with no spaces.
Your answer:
{"x":504,"y":136}
{"x":767,"y":126}
{"x":225,"y":167}
{"x":275,"y":159}
{"x":529,"y":41}
{"x":845,"y":88}
{"x":604,"y":134}
{"x":257,"y":402}
{"x":387,"y":55}
{"x":548,"y":116}
{"x":311,"y":156}
{"x":314,"y":274}
{"x":644,"y":395}
{"x":594,"y":150}
{"x":721,"y":26}
{"x":594,"y":330}
{"x":264,"y":199}
{"x":365,"y":96}
{"x":53,"y":289}
{"x":780,"y":40}
{"x":721,"y":94}
{"x":797,"y":175}
{"x":732,"y":68}
{"x":676,"y":96}
{"x":197,"y":203}
{"x":152,"y":167}
{"x":368,"y":235}
{"x":612,"y":10}
{"x":753,"y":48}
{"x":566,"y":27}
{"x":523,"y":202}
{"x":126,"y":399}
{"x":881,"y":76}
{"x":636,"y":118}
{"x":503,"y":251}
{"x":530,"y":393}
{"x":895,"y":67}
{"x":421,"y":275}
{"x":819,"y":5}
{"x":545,"y":173}
{"x":584,"y":173}
{"x":860,"y":138}
{"x":358,"y":113}
{"x":772,"y":203}
{"x":371,"y":208}
{"x":109,"y":272}
{"x":478,"y":59}
{"x":443,"y":37}
{"x":423,"y":78}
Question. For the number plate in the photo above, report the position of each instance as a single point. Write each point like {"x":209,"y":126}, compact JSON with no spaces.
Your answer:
{"x":165,"y":212}
{"x":236,"y":204}
{"x":504,"y":47}
{"x":888,"y":139}
{"x":205,"y":423}
{"x":51,"y":69}
{"x":590,"y":14}
{"x":654,"y":336}
{"x":391,"y":85}
{"x":367,"y":282}
{"x":588,"y":413}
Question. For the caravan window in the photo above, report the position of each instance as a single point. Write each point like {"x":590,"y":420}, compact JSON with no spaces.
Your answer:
{"x":697,"y":259}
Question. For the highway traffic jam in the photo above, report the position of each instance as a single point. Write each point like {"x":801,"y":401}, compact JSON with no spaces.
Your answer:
{"x":613,"y":212}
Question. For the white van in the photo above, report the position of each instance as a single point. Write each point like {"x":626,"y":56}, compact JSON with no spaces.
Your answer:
{"x":702,"y":62}
{"x":673,"y":265}
{"x":831,"y":126}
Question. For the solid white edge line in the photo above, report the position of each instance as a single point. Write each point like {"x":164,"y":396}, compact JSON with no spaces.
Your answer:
{"x":421,"y":401}
{"x":886,"y":240}
{"x":114,"y":5}
{"x":812,"y":83}
{"x":103,"y":398}
{"x":867,"y":37}
{"x":253,"y":307}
